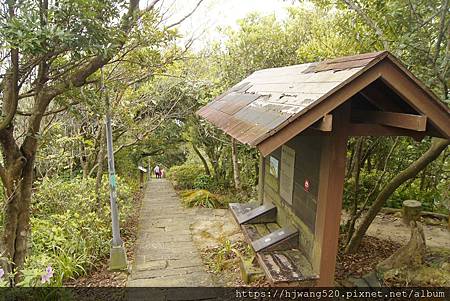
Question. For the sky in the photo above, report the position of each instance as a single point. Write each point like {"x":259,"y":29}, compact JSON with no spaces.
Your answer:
{"x":212,"y":14}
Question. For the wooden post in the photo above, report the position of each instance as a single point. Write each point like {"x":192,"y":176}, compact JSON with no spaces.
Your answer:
{"x":234,"y":159}
{"x":411,"y":211}
{"x":262,"y":168}
{"x":329,"y":202}
{"x":141,"y":178}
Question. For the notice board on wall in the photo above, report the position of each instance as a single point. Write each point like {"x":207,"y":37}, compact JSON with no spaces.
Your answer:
{"x":287,"y":173}
{"x":273,"y":167}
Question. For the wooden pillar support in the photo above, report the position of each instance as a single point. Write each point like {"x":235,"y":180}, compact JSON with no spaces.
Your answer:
{"x":262,"y":168}
{"x":329,"y":202}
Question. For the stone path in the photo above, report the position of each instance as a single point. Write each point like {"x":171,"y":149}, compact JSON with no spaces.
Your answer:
{"x":165,"y":255}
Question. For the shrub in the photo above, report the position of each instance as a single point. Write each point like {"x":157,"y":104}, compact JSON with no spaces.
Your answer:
{"x":201,"y":198}
{"x":204,"y":182}
{"x":56,"y":195}
{"x":184,"y":176}
{"x":68,"y":230}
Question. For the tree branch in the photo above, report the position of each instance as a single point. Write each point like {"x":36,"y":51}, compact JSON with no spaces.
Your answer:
{"x":186,"y":16}
{"x":442,"y":30}
{"x":369,"y":21}
{"x":11,"y":92}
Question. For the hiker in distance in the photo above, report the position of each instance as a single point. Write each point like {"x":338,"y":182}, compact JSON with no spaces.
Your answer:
{"x":157,"y":171}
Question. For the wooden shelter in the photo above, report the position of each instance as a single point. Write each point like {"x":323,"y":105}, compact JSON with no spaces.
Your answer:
{"x":300,"y":118}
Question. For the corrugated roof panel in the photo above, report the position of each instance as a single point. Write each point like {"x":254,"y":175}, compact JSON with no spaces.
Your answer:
{"x":331,"y":75}
{"x":252,"y":134}
{"x":347,"y":62}
{"x":238,"y":127}
{"x":264,"y":102}
{"x":231,"y":104}
{"x":217,"y":118}
{"x":258,"y":116}
{"x":302,"y":100}
{"x":293,"y":87}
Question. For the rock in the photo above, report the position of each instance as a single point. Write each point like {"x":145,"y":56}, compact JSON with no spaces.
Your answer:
{"x":372,"y":279}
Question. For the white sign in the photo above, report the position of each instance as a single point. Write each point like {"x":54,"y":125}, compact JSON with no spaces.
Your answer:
{"x":142,"y":169}
{"x":273,"y":168}
{"x":287,"y":173}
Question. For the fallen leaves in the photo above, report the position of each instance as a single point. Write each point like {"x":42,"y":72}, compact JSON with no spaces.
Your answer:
{"x":371,"y":252}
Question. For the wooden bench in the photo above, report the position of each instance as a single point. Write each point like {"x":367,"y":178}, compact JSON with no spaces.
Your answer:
{"x":276,"y":247}
{"x":277,"y":239}
{"x":248,"y":213}
{"x":287,"y":268}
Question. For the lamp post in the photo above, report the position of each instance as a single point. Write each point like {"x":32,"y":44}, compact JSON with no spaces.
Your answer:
{"x":118,"y":255}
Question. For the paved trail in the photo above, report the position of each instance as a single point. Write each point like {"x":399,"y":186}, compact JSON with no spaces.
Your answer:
{"x":165,"y":254}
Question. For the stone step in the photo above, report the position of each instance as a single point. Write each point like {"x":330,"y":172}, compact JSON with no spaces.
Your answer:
{"x":165,"y":255}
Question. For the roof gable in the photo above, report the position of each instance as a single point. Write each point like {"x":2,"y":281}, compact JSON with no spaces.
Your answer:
{"x":270,"y":100}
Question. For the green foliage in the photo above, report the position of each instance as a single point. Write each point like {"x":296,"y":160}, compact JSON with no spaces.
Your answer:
{"x":432,"y":200}
{"x":70,"y":231}
{"x":429,"y":187}
{"x":367,"y":183}
{"x":184,"y":176}
{"x":200,"y":198}
{"x":94,"y":19}
{"x":226,"y":255}
{"x":204,"y":182}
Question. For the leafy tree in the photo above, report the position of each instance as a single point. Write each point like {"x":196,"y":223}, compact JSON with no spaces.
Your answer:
{"x":49,"y":50}
{"x":416,"y":32}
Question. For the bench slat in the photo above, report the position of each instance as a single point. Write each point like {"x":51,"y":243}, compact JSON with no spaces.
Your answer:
{"x":288,"y":267}
{"x":249,"y":214}
{"x":273,"y":238}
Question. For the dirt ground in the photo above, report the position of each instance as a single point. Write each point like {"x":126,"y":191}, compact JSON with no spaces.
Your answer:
{"x":386,"y":234}
{"x":217,"y":236}
{"x":391,"y":227}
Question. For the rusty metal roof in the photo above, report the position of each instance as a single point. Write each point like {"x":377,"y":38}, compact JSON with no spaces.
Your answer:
{"x":268,"y":99}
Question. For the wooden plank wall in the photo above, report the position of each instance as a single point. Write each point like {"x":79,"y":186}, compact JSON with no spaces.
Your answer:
{"x":302,"y":212}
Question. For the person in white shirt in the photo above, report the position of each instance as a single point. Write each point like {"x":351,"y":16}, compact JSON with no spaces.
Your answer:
{"x":157,"y":172}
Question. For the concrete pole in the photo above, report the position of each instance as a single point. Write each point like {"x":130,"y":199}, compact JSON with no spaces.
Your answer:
{"x":118,"y":255}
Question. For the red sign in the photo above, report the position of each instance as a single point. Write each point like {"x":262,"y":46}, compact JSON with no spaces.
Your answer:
{"x":306,"y":185}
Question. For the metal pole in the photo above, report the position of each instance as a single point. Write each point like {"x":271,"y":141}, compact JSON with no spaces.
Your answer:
{"x":117,"y":240}
{"x":118,"y":255}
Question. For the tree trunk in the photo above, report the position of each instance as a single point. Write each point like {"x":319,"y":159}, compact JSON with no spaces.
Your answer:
{"x":410,"y":255}
{"x":205,"y":164}
{"x":17,"y":178}
{"x":437,"y":146}
{"x":412,"y":210}
{"x":16,"y":170}
{"x":236,"y":171}
{"x":84,"y":162}
{"x":350,"y":225}
{"x":448,"y":224}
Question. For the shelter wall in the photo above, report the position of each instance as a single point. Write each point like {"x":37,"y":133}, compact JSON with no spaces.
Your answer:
{"x":301,"y":210}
